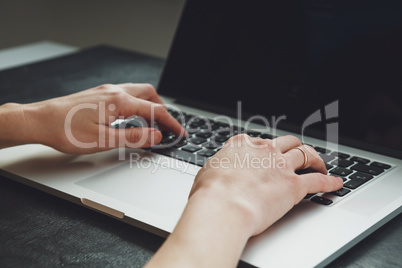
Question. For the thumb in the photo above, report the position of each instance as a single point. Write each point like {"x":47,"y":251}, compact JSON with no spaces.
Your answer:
{"x":139,"y":137}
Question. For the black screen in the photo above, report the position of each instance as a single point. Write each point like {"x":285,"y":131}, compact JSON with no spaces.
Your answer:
{"x":292,"y":58}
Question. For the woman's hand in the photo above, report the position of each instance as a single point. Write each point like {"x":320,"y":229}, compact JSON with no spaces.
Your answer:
{"x":240,"y":192}
{"x":258,"y":176}
{"x":81,"y":123}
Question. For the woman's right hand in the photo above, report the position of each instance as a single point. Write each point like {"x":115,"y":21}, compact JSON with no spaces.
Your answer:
{"x":258,"y":176}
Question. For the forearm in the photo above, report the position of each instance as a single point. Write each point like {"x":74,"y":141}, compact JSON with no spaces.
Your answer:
{"x":16,"y":121}
{"x":211,"y":233}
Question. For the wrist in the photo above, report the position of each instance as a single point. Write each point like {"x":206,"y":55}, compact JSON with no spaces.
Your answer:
{"x":227,"y":206}
{"x":209,"y":226}
{"x":12,"y":121}
{"x":33,"y":117}
{"x":19,"y":124}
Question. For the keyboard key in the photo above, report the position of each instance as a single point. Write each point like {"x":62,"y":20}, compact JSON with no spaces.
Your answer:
{"x":253,"y":133}
{"x":191,"y":148}
{"x":235,"y":132}
{"x":206,"y":152}
{"x":219,"y":138}
{"x":354,"y":183}
{"x":267,"y":136}
{"x":340,"y":162}
{"x":182,"y":155}
{"x":192,"y":130}
{"x":197,"y":123}
{"x":210,"y":145}
{"x":341,"y":192}
{"x":328,"y":166}
{"x":224,"y":131}
{"x":197,"y":140}
{"x":204,"y":134}
{"x":222,"y":124}
{"x":380,"y":165}
{"x":326,"y":158}
{"x":340,"y":171}
{"x":340,"y":155}
{"x":321,"y":200}
{"x":308,"y":196}
{"x":322,"y":150}
{"x":184,"y":119}
{"x":361,"y":176}
{"x":168,"y":140}
{"x":360,"y":159}
{"x":304,"y":171}
{"x":367,"y":169}
{"x":180,"y":143}
{"x":167,"y":134}
{"x":210,"y":126}
{"x":174,"y":113}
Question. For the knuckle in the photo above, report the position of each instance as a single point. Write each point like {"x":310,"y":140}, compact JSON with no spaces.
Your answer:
{"x":104,"y":86}
{"x":241,"y":137}
{"x":237,"y":138}
{"x":160,"y":111}
{"x":149,"y":88}
{"x":160,"y":108}
{"x":296,"y":139}
{"x":270,"y":146}
{"x":259,"y":141}
{"x":117,"y":96}
{"x":311,"y":150}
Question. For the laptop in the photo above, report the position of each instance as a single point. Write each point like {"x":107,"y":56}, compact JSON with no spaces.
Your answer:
{"x":325,"y":71}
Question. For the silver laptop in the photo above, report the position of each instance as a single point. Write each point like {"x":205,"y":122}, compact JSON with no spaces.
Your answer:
{"x":327,"y":73}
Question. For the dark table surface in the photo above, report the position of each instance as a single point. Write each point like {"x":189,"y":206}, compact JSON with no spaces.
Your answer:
{"x":40,"y":230}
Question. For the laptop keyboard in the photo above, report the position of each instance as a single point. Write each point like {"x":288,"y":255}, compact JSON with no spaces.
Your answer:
{"x":206,"y":137}
{"x":354,"y":170}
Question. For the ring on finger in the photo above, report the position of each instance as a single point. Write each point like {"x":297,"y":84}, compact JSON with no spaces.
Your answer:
{"x":305,"y":157}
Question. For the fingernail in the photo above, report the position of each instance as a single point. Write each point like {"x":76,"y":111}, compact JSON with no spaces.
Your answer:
{"x":153,"y":137}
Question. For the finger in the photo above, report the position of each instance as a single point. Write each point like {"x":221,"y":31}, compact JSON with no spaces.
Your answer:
{"x":134,"y":137}
{"x":142,"y":91}
{"x":320,"y":183}
{"x":154,"y":112}
{"x":296,"y":159}
{"x":285,"y":143}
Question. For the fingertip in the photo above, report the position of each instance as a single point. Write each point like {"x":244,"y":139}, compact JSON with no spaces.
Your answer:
{"x":154,"y":136}
{"x":339,"y":181}
{"x":320,"y":183}
{"x":181,"y":132}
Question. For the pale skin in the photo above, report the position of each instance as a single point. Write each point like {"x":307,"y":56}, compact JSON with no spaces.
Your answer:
{"x":227,"y":204}
{"x":43,"y":122}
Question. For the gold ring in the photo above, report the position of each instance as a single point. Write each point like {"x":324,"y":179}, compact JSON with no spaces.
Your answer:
{"x":305,"y":157}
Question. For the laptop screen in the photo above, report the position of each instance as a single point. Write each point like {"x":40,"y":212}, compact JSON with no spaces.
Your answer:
{"x":291,"y":58}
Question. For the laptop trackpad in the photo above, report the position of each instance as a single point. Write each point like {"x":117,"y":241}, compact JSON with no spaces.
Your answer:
{"x":154,"y":188}
{"x":377,"y":197}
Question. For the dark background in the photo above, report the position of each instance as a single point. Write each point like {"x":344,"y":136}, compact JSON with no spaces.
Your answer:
{"x":292,"y":58}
